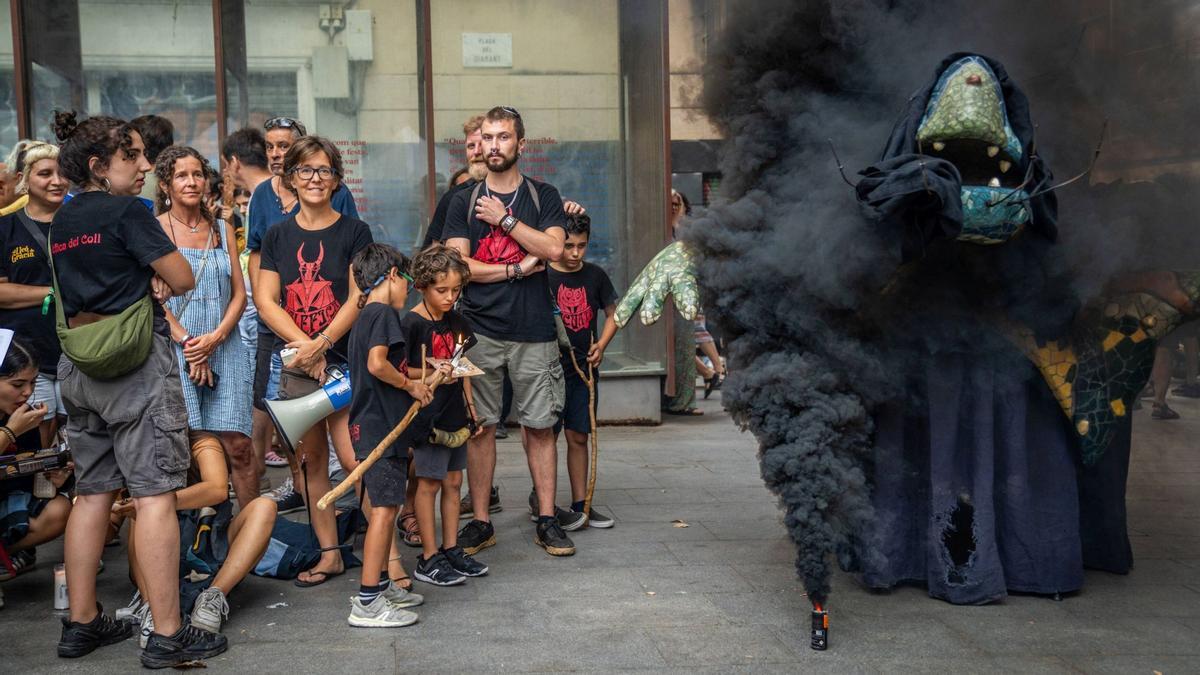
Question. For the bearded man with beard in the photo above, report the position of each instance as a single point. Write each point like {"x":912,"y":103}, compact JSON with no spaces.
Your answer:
{"x":508,"y":227}
{"x":476,"y":170}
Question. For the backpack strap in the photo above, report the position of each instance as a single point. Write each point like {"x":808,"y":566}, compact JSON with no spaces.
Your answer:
{"x":32,"y":229}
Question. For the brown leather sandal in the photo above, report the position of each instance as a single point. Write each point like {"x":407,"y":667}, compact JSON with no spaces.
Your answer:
{"x":411,"y":535}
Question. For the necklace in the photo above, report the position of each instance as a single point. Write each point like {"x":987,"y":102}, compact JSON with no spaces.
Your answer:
{"x":191,"y":228}
{"x":508,"y":206}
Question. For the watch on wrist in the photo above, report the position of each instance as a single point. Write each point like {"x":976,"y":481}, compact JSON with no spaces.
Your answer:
{"x":507,"y":223}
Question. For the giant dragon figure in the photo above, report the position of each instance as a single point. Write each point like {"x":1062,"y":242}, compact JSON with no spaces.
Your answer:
{"x":1017,"y":395}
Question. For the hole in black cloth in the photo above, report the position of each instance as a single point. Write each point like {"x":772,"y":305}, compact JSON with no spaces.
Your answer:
{"x":959,"y":538}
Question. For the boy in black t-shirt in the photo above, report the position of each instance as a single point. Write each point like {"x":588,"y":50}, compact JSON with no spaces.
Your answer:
{"x":580,"y":288}
{"x":440,"y":273}
{"x":381,"y":395}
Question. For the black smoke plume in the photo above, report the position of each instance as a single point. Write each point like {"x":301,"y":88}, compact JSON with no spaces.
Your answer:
{"x":791,"y":268}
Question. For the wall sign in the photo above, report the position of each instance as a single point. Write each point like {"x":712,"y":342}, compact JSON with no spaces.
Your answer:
{"x":487,"y":50}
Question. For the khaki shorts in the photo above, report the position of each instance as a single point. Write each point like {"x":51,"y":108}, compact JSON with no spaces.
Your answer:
{"x":536,"y":375}
{"x":131,"y":431}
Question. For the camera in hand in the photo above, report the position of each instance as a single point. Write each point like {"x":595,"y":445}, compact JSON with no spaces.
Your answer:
{"x":26,"y":464}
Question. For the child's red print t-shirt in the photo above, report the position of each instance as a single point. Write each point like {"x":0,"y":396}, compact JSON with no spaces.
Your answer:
{"x":102,"y":246}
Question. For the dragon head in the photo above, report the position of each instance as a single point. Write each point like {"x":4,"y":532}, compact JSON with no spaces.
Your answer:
{"x":966,"y":123}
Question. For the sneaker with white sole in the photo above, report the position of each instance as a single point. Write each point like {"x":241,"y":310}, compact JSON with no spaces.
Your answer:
{"x":437,"y":571}
{"x":463,"y":563}
{"x":379,"y":614}
{"x":402,"y":597}
{"x":597,"y":519}
{"x":567,"y":519}
{"x":211,"y":610}
{"x":286,"y":499}
{"x":22,"y":562}
{"x":133,"y":611}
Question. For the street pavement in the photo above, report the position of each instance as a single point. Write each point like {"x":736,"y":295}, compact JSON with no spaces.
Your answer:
{"x":696,"y":577}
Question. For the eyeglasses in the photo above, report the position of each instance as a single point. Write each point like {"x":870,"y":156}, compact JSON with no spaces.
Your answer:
{"x":307,"y":172}
{"x":285,"y":123}
{"x":406,"y":277}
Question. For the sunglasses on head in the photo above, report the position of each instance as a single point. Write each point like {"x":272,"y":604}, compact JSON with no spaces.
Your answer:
{"x":285,"y":123}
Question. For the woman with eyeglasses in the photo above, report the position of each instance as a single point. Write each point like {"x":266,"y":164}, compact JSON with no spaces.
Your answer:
{"x":306,"y":298}
{"x":273,"y":202}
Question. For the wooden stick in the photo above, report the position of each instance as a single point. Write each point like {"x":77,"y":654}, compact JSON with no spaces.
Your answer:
{"x":422,"y":361}
{"x":590,"y":379}
{"x":356,"y":475}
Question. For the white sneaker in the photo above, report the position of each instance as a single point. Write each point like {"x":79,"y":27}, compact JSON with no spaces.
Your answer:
{"x":147,"y":628}
{"x":379,"y":614}
{"x":132,"y":611}
{"x":402,"y":597}
{"x":211,"y":610}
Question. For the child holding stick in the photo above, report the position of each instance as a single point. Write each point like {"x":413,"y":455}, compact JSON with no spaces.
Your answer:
{"x":433,"y":328}
{"x":381,"y":393}
{"x":580,"y":289}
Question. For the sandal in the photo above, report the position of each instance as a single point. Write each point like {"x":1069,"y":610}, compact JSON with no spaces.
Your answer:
{"x":325,"y":576}
{"x":400,"y":582}
{"x":408,"y":528}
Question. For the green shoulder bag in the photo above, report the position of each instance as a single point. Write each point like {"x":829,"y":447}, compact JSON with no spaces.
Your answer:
{"x":108,"y":348}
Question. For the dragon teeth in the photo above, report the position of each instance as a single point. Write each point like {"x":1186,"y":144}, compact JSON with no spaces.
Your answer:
{"x":939,"y":146}
{"x":1005,"y":166}
{"x":994,"y":182}
{"x":993,"y":150}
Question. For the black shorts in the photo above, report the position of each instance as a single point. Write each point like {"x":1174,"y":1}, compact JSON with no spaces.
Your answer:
{"x":262,"y":364}
{"x":386,"y":481}
{"x":575,"y":409}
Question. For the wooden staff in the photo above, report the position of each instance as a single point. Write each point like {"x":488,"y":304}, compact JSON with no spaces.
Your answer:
{"x":356,"y":475}
{"x":590,"y":380}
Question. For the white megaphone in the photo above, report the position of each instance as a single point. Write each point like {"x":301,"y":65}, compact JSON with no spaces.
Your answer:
{"x":293,"y":418}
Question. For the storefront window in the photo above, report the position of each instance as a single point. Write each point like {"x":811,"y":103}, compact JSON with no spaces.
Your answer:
{"x":349,"y":75}
{"x":125,"y":59}
{"x":8,"y":100}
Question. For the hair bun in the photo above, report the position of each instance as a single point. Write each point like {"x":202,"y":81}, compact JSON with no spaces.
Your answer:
{"x":64,"y":124}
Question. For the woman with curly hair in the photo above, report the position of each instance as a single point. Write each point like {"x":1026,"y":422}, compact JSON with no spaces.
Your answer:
{"x":214,"y":370}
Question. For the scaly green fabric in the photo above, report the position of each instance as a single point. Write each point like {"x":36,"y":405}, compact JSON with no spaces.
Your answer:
{"x":671,"y":272}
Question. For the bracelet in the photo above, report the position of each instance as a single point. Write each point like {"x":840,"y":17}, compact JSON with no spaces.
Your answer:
{"x":12,"y":438}
{"x":325,"y":337}
{"x":184,"y":340}
{"x":508,"y":272}
{"x":518,"y":273}
{"x":507,"y":223}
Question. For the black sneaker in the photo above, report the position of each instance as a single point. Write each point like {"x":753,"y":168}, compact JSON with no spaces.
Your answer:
{"x":463,"y":563}
{"x":189,"y":643}
{"x":597,"y":519}
{"x":476,"y":536}
{"x":437,"y":571}
{"x":79,"y":639}
{"x":569,"y":520}
{"x":550,"y":536}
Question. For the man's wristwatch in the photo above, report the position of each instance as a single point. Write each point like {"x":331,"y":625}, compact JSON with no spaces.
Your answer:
{"x":507,"y":223}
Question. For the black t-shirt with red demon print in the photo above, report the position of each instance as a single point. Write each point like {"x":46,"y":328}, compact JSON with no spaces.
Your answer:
{"x":519,"y":310}
{"x":313,"y":268}
{"x":440,"y":339}
{"x":580,"y":296}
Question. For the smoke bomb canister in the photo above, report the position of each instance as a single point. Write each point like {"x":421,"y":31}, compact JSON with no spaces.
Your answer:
{"x":820,"y":630}
{"x":60,"y":588}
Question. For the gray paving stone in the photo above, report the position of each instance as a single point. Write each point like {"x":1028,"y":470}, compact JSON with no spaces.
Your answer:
{"x":720,"y":645}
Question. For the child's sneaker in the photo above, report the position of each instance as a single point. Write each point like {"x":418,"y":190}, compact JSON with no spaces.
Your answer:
{"x":597,"y":519}
{"x":379,"y":614}
{"x":437,"y":571}
{"x":147,"y":627}
{"x":402,"y":597}
{"x":464,"y":564}
{"x":189,"y":643}
{"x":211,"y":610}
{"x":133,"y":611}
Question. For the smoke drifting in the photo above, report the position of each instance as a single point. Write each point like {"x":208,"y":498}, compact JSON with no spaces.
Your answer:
{"x":792,"y":270}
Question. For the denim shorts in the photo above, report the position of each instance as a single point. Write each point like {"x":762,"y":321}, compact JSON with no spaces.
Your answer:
{"x":272,"y":392}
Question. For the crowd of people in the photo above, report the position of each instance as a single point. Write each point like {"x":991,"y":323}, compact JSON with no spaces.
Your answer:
{"x":149,"y":309}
